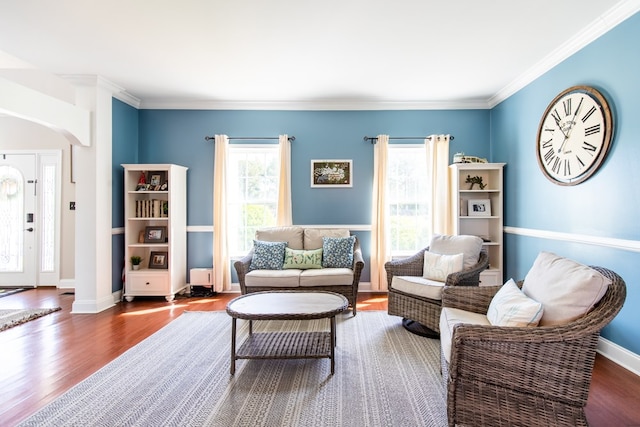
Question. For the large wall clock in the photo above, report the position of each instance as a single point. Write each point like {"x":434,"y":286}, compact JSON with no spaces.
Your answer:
{"x":574,"y":135}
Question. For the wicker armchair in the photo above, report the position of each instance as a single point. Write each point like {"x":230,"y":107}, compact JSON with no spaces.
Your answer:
{"x":537,"y":376}
{"x":415,"y":308}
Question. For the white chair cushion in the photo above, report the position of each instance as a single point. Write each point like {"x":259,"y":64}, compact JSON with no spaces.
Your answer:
{"x":566,"y":288}
{"x":449,"y":317}
{"x":470,"y":246}
{"x":416,"y":285}
{"x":511,"y":307}
{"x":438,"y":267}
{"x":290,"y":234}
{"x":313,"y":236}
{"x":326,"y":277}
{"x":273,"y":278}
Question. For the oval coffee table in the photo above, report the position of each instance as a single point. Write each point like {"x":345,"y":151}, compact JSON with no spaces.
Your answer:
{"x":286,"y":305}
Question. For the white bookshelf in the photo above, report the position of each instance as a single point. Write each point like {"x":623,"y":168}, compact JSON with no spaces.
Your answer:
{"x":478,"y":221}
{"x":155,"y":229}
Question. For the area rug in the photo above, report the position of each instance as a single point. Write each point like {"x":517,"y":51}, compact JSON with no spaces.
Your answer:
{"x":5,"y":292}
{"x":13,"y":317}
{"x":384,"y":376}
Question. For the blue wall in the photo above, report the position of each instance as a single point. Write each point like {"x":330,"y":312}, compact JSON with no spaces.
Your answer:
{"x":177,"y":136}
{"x":124,"y":150}
{"x":602,"y":207}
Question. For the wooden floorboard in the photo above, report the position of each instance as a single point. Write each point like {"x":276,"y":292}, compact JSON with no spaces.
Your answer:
{"x":43,"y":358}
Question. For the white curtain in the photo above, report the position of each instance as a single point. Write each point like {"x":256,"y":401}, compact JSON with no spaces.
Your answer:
{"x":437,"y":148}
{"x":379,"y":250}
{"x":284,"y":215}
{"x":221,"y":270}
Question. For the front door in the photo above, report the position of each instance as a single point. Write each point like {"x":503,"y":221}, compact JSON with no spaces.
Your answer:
{"x":18,"y":187}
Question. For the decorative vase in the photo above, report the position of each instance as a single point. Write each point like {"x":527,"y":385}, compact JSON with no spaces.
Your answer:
{"x":136,"y":266}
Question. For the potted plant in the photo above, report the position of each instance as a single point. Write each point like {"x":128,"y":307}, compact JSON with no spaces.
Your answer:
{"x":135,"y":261}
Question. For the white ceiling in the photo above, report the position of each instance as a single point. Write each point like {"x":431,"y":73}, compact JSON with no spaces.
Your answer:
{"x":303,"y":53}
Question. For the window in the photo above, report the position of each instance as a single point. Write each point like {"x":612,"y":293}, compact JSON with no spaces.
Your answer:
{"x":408,"y":210}
{"x":253,"y":172}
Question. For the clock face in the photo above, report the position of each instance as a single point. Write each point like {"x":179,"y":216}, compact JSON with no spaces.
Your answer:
{"x":574,"y":135}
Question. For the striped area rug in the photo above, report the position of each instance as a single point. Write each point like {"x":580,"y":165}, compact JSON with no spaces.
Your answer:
{"x":179,"y":376}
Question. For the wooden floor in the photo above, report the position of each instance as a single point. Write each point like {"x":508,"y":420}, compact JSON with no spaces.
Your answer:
{"x":43,"y":358}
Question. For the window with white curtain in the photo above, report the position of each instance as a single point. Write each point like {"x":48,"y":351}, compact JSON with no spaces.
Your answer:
{"x":406,"y":195}
{"x":252,"y":186}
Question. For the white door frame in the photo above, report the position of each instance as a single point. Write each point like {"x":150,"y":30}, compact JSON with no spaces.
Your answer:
{"x":44,"y":158}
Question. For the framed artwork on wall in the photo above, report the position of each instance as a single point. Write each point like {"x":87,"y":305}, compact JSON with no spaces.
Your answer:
{"x":479,"y":207}
{"x":331,"y":173}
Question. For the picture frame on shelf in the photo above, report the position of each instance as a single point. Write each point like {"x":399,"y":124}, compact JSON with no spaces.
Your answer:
{"x":155,"y":234}
{"x":159,"y":260}
{"x":479,"y":207}
{"x":331,"y":173}
{"x":158,"y":181}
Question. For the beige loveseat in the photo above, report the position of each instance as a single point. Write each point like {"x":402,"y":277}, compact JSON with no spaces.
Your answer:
{"x":306,"y":266}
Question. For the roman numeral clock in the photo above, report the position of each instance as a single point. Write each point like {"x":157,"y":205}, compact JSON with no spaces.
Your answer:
{"x":574,"y":135}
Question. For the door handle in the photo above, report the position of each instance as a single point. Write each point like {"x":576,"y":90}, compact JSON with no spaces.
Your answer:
{"x":30,"y":229}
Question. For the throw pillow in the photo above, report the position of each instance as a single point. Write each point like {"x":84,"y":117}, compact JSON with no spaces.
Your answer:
{"x":337,"y":252}
{"x":437,"y":267}
{"x":566,"y":288}
{"x":267,"y":255}
{"x":511,"y":307}
{"x":303,"y":260}
{"x":470,"y":246}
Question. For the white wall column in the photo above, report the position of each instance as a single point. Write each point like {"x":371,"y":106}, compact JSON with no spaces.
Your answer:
{"x":93,"y":199}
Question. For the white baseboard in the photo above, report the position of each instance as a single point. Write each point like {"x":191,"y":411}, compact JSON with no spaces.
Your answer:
{"x":69,"y":284}
{"x":619,"y":355}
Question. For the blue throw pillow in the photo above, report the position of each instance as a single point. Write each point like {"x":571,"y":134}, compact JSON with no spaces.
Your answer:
{"x":337,"y":252}
{"x":267,"y":255}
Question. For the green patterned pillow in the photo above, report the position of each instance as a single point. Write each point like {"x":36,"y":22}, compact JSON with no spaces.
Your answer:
{"x":337,"y":252}
{"x":303,"y":260}
{"x":267,"y":255}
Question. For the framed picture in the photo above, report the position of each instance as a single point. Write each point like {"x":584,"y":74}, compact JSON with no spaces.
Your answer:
{"x":331,"y":173}
{"x":155,"y":234}
{"x":479,"y":207}
{"x":157,"y":181}
{"x":158,"y":260}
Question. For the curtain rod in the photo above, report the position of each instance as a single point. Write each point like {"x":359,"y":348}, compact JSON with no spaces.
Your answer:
{"x":211,"y":138}
{"x":374,"y":139}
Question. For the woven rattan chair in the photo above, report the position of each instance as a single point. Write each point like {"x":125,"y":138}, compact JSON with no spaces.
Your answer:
{"x":533,"y":376}
{"x":421,"y":310}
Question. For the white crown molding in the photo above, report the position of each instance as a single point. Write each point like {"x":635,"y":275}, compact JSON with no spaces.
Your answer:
{"x":127,"y":98}
{"x":314,"y":105}
{"x":597,"y":28}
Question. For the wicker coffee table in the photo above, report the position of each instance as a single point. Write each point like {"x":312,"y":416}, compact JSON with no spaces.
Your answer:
{"x":286,"y":305}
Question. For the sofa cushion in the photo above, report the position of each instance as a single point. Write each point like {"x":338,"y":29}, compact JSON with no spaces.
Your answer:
{"x":290,"y":234}
{"x":267,"y":255}
{"x":337,"y":252}
{"x":449,"y":317}
{"x":438,"y":267}
{"x":566,"y":288}
{"x":301,"y":259}
{"x":511,"y":307}
{"x":313,"y":236}
{"x":326,"y":277}
{"x":470,"y":246}
{"x":273,"y":278}
{"x":416,"y":285}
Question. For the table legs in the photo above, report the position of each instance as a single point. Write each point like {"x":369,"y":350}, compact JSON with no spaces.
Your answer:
{"x":233,"y":345}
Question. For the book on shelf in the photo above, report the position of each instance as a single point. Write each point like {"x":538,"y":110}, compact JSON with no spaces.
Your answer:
{"x":154,"y":208}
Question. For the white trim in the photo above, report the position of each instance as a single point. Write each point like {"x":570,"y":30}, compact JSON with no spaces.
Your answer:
{"x":597,"y":28}
{"x":473,"y":104}
{"x":117,"y":230}
{"x":199,"y":228}
{"x":67,"y":284}
{"x":609,"y":242}
{"x":619,"y":355}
